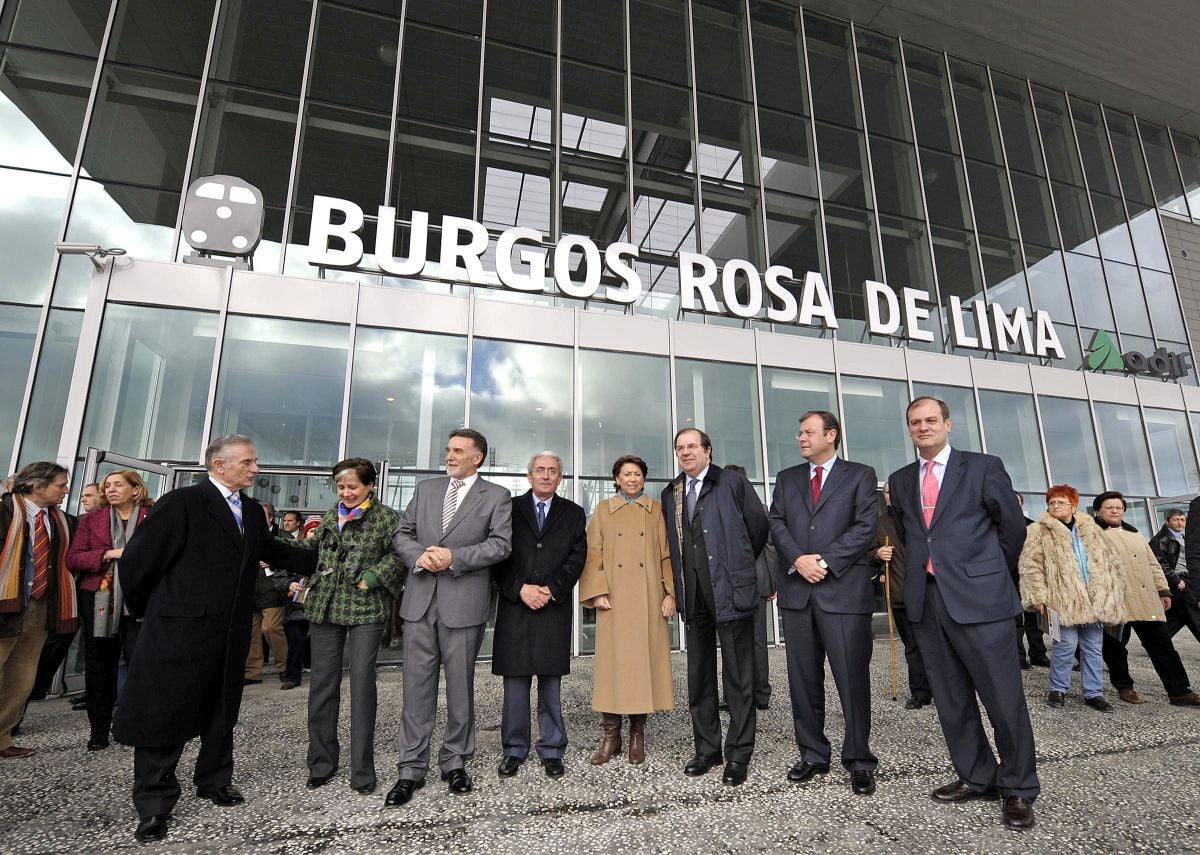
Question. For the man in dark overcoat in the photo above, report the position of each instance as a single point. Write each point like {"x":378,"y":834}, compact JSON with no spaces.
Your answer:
{"x":533,"y":619}
{"x":189,"y":573}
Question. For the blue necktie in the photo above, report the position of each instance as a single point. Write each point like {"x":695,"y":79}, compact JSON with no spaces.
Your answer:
{"x":541,"y":506}
{"x":235,"y":502}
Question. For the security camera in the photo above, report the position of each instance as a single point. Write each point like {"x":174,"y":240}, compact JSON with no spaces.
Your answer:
{"x":91,"y":250}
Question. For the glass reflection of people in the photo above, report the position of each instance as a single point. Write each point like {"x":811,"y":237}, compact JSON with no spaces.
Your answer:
{"x":627,"y":579}
{"x":96,"y":549}
{"x":349,"y":597}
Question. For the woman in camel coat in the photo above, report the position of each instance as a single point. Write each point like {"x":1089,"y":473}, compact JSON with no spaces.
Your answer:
{"x":1067,"y":565}
{"x":627,"y":579}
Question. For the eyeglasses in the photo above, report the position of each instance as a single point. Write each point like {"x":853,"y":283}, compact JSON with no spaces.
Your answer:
{"x":545,"y":470}
{"x":1056,"y":503}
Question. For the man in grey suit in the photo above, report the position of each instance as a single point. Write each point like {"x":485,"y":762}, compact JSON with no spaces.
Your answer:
{"x":962,"y":526}
{"x":452,"y":532}
{"x":823,"y":518}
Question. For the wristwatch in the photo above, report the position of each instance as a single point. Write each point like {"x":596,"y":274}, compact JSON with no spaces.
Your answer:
{"x":821,"y":563}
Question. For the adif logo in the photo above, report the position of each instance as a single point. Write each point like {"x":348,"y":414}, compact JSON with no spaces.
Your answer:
{"x":223,"y":215}
{"x":1102,"y":355}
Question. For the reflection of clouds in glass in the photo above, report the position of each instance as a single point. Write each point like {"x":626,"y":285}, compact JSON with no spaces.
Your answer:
{"x":96,"y":216}
{"x":22,"y":144}
{"x":31,"y":209}
{"x":388,"y":357}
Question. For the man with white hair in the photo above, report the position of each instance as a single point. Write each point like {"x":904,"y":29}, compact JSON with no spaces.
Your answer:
{"x":189,"y":573}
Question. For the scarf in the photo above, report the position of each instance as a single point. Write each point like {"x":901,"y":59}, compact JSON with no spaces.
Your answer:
{"x":121,"y":535}
{"x":12,"y":566}
{"x":1080,"y":552}
{"x":346,"y":514}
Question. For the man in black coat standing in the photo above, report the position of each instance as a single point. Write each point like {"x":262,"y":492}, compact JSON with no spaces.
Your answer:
{"x":716,"y":529}
{"x":533,"y":619}
{"x":823,"y":518}
{"x":189,"y":573}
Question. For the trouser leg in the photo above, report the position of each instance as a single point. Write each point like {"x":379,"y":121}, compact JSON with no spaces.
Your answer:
{"x":1116,"y":657}
{"x":297,"y":635}
{"x":422,"y":661}
{"x":272,"y":628}
{"x":552,"y":730}
{"x":254,"y":659}
{"x":737,"y":672}
{"x":155,"y":786}
{"x":460,"y":649}
{"x":847,"y":641}
{"x":918,"y":680}
{"x":1091,"y":661}
{"x":1034,"y":637}
{"x":806,"y":683}
{"x":18,"y":668}
{"x":762,"y":666}
{"x":515,"y":731}
{"x":54,"y":652}
{"x":364,"y":701}
{"x":1163,"y":656}
{"x":701,"y":630}
{"x":324,"y":697}
{"x":214,"y":762}
{"x":1062,"y":658}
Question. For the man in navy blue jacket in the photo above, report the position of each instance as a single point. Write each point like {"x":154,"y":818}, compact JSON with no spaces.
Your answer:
{"x":716,"y":527}
{"x":964,"y":529}
{"x":823,"y":518}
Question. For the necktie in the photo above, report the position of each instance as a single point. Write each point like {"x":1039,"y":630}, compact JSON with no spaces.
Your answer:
{"x":235,"y":503}
{"x":541,"y":515}
{"x":816,"y":485}
{"x":41,"y":557}
{"x":929,"y":497}
{"x":691,"y":501}
{"x":450,"y":505}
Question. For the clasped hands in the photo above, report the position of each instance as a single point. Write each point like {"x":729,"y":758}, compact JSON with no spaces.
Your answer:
{"x":807,"y":566}
{"x":435,"y":559}
{"x":535,"y":596}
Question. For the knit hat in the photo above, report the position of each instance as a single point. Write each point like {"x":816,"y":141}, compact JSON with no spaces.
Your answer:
{"x":310,"y":524}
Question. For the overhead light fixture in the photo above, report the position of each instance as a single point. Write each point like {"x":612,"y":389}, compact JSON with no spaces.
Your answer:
{"x":93,"y":251}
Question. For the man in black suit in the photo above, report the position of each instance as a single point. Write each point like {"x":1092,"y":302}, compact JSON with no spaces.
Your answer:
{"x":189,"y":572}
{"x":823,"y":518}
{"x":533,"y":619}
{"x":716,"y":528}
{"x":964,"y":529}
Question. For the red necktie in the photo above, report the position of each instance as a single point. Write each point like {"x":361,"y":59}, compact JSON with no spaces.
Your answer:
{"x":816,"y":486}
{"x":41,"y":557}
{"x":929,"y":497}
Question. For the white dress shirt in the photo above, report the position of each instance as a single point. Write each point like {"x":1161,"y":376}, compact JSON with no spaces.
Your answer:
{"x":826,"y":468}
{"x":31,"y":512}
{"x":939,"y":471}
{"x":699,"y":480}
{"x":226,"y":493}
{"x":467,"y":484}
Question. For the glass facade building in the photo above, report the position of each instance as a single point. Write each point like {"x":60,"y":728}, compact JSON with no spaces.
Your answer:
{"x":740,"y":129}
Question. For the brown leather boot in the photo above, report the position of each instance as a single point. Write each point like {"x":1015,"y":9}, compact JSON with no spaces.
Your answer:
{"x":637,"y":739}
{"x":612,"y":739}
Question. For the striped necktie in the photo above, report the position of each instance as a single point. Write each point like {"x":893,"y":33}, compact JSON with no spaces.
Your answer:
{"x":235,"y":502}
{"x":41,"y":557}
{"x":450,"y":505}
{"x":690,"y":501}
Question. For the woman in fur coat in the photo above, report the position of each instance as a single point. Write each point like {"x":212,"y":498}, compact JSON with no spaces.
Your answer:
{"x":1067,"y":565}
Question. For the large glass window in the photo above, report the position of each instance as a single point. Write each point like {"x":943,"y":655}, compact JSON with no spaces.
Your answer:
{"x":1093,"y":145}
{"x":1011,"y":428}
{"x":1174,"y":454}
{"x":593,"y":30}
{"x":521,"y":400}
{"x":722,"y":400}
{"x":1124,"y":445}
{"x":75,"y":26}
{"x":778,"y":65}
{"x":833,"y":93}
{"x":1187,"y":149}
{"x":1062,"y":157}
{"x":149,"y":391}
{"x":436,"y":70}
{"x":961,"y":402}
{"x":1163,"y":301}
{"x":42,"y":100}
{"x":719,"y":35}
{"x":976,"y":117}
{"x":18,"y":330}
{"x":263,"y":45}
{"x":1017,"y":125}
{"x":1071,"y":444}
{"x":882,"y":85}
{"x":787,"y":395}
{"x":1135,"y":183}
{"x":874,"y":421}
{"x":343,"y":154}
{"x":626,"y":410}
{"x":31,"y":209}
{"x":51,"y":385}
{"x":1168,"y":191}
{"x":1091,"y":298}
{"x":354,"y":58}
{"x":407,"y":392}
{"x":281,"y":383}
{"x":658,"y":39}
{"x":928,"y":86}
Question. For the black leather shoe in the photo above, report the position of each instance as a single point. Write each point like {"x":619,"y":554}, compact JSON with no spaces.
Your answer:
{"x":152,"y":828}
{"x":509,"y":766}
{"x":225,"y":796}
{"x":1039,"y":661}
{"x":763,"y":707}
{"x":805,"y":771}
{"x":862,"y":781}
{"x":1018,"y":813}
{"x":959,"y":791}
{"x":79,"y":705}
{"x":315,"y":781}
{"x":554,"y":767}
{"x":1056,"y":700}
{"x":97,"y":743}
{"x":459,"y":781}
{"x":1026,"y":665}
{"x":1098,"y":703}
{"x":247,"y":681}
{"x":698,"y":765}
{"x":402,"y":793}
{"x":916,"y":702}
{"x":365,"y":789}
{"x":734,"y":774}
{"x":289,"y":684}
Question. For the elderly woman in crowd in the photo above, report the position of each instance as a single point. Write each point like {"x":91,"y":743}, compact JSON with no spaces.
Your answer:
{"x":97,"y":546}
{"x":1068,"y":566}
{"x":1146,"y":597}
{"x":348,"y":596}
{"x":628,"y":580}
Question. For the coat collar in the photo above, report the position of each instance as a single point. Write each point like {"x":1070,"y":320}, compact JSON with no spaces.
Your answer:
{"x":218,"y":508}
{"x":833,"y":479}
{"x":615,"y":503}
{"x":524,"y":505}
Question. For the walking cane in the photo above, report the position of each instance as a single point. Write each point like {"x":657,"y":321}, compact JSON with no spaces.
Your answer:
{"x":887,"y":592}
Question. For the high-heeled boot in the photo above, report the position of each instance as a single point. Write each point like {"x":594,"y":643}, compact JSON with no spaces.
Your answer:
{"x":637,"y":739}
{"x":612,"y":739}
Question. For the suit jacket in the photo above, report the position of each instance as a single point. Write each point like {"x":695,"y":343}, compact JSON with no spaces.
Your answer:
{"x":975,"y":537}
{"x":189,"y":572}
{"x":12,"y":624}
{"x":840,"y":528}
{"x":735,"y":533}
{"x":479,"y":536}
{"x":529,"y":642}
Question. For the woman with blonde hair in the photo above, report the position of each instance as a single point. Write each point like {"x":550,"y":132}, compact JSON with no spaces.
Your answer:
{"x":628,"y":580}
{"x":108,"y":629}
{"x":1069,"y":567}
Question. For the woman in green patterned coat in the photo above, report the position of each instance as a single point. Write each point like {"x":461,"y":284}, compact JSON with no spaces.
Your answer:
{"x":349,"y":595}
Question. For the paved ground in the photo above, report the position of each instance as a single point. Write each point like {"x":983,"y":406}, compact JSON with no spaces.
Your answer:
{"x":1121,"y":782}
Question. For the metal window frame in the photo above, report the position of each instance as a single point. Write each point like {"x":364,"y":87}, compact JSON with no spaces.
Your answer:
{"x":298,"y":139}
